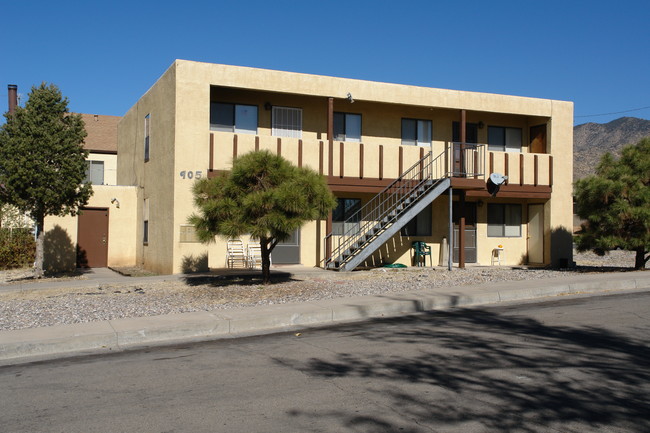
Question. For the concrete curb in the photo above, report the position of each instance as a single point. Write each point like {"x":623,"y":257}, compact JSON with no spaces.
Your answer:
{"x":125,"y":334}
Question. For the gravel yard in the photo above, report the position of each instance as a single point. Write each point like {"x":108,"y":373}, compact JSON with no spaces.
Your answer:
{"x":46,"y":307}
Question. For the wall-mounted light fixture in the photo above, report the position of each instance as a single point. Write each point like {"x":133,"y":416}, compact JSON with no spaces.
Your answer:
{"x":268,"y":106}
{"x":350,"y":99}
{"x":481,"y":125}
{"x":116,"y":202}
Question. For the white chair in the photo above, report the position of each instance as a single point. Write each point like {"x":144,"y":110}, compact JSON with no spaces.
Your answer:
{"x":235,"y":254}
{"x":254,"y":255}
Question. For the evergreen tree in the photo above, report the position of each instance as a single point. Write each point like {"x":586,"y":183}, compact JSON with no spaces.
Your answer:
{"x":264,"y":195}
{"x":616,"y":204}
{"x":42,"y":160}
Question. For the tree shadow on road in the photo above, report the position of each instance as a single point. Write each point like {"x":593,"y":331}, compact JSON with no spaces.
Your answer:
{"x":480,"y":370}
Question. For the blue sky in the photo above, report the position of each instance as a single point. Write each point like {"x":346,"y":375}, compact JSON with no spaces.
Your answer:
{"x":105,"y":55}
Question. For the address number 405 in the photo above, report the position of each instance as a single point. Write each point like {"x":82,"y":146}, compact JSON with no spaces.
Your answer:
{"x":191,"y":174}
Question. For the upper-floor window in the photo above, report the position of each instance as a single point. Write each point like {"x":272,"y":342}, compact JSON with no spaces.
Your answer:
{"x":94,"y":172}
{"x":147,"y":132}
{"x":286,"y":122}
{"x":503,"y":139}
{"x":504,"y":220}
{"x":347,"y":127}
{"x":238,"y":118}
{"x":416,"y":132}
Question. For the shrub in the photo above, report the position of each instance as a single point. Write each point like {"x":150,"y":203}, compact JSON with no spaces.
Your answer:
{"x":17,"y":248}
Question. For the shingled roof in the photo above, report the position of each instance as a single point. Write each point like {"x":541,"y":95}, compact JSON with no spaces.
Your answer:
{"x":102,"y":132}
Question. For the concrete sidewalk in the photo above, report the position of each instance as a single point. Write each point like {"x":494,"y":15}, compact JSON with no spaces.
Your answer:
{"x":124,"y":334}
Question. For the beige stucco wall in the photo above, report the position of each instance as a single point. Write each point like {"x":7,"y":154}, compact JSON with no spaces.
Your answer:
{"x":155,"y":178}
{"x":558,"y":212}
{"x":316,"y":85}
{"x":61,"y":232}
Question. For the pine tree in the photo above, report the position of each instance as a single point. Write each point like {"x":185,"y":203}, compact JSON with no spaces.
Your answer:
{"x":42,"y":160}
{"x":264,"y":195}
{"x":616,"y":204}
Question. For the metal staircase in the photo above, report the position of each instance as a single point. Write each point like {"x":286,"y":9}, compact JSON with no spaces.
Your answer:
{"x":386,"y":213}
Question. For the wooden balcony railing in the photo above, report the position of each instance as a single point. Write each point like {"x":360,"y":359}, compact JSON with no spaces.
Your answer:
{"x":352,"y":161}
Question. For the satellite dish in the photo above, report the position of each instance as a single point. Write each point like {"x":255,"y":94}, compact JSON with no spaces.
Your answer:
{"x":494,"y":183}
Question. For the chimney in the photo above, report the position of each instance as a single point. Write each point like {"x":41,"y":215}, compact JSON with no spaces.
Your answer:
{"x":13,"y":97}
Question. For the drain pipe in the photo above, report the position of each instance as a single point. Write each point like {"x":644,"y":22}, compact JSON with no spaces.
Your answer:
{"x":13,"y":97}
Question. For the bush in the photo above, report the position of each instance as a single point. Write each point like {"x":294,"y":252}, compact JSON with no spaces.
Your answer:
{"x":17,"y":248}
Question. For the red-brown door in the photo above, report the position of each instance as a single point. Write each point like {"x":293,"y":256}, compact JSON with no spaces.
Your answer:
{"x":92,"y":238}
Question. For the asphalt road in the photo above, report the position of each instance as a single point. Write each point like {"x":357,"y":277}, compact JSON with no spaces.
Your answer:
{"x":573,"y":365}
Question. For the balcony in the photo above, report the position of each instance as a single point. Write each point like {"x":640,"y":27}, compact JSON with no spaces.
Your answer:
{"x":369,"y":167}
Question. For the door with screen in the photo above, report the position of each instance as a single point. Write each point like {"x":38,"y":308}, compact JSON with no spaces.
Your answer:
{"x":288,"y":251}
{"x":470,"y":231}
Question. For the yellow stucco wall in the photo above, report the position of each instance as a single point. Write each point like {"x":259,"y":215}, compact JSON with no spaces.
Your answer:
{"x":61,"y":232}
{"x":155,"y":177}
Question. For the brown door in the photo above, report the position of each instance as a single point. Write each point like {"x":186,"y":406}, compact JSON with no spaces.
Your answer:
{"x":92,"y":238}
{"x":538,"y":139}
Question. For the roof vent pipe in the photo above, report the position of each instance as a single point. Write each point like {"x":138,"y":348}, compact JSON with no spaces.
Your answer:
{"x":13,"y":97}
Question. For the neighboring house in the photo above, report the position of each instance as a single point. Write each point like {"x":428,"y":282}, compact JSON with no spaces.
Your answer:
{"x":363,"y":137}
{"x":103,"y":234}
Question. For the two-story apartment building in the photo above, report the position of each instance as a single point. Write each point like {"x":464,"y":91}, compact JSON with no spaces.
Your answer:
{"x":433,"y":149}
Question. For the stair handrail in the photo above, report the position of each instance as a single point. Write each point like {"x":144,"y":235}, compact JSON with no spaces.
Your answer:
{"x":386,"y":201}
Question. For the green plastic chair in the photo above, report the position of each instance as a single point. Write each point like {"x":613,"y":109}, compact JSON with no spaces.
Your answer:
{"x":422,"y":250}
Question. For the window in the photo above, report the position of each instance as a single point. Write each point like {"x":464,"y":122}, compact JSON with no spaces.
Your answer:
{"x":504,"y":220}
{"x":145,"y":218}
{"x":346,"y":209}
{"x":241,"y":119}
{"x":347,"y":127}
{"x":147,"y":120}
{"x":94,"y":172}
{"x":416,"y":132}
{"x":286,"y":122}
{"x":420,"y":225}
{"x":502,"y":139}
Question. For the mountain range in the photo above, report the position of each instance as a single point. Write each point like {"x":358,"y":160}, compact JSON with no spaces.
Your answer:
{"x":592,"y":140}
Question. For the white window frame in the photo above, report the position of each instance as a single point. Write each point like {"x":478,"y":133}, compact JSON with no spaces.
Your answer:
{"x":511,"y":225}
{"x":89,"y":172}
{"x":512,"y":139}
{"x":286,"y":122}
{"x":423,"y":127}
{"x":348,"y":133}
{"x":238,"y":112}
